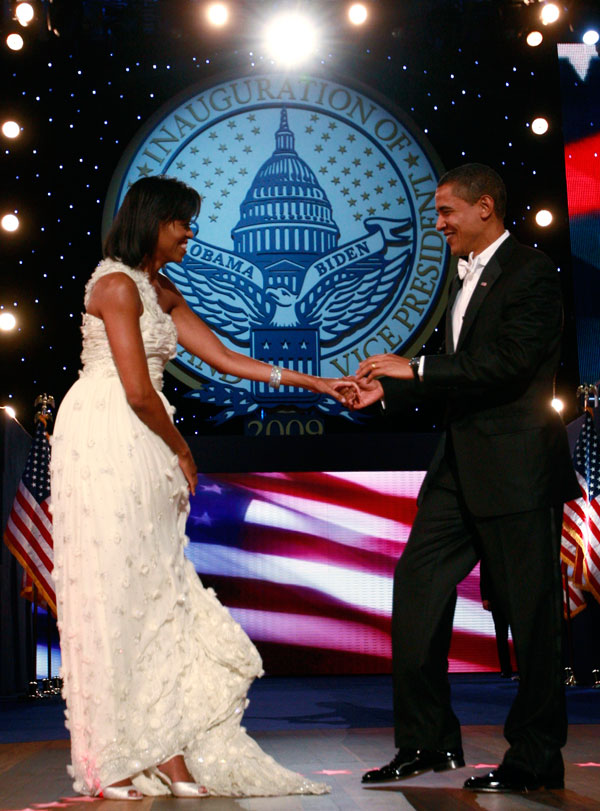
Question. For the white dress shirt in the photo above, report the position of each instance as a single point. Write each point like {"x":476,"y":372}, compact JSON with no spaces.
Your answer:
{"x":474,"y":268}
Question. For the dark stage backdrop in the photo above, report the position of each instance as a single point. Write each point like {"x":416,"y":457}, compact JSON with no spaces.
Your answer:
{"x":472,"y":86}
{"x":461,"y":72}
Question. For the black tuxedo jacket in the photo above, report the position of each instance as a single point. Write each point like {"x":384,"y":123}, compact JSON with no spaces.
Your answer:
{"x":509,"y":444}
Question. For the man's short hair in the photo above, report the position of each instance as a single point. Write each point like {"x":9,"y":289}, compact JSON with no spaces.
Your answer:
{"x":472,"y":180}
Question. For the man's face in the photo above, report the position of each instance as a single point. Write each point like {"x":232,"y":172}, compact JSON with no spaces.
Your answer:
{"x":459,"y":221}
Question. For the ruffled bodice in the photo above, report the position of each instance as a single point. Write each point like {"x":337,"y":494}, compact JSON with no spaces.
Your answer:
{"x":158,"y":330}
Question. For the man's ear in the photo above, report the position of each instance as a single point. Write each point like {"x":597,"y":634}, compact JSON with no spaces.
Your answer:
{"x":487,"y":206}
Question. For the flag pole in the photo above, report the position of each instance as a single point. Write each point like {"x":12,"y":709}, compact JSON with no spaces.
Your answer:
{"x":569,"y":673}
{"x":44,"y":403}
{"x":34,"y":634}
{"x":49,"y":644}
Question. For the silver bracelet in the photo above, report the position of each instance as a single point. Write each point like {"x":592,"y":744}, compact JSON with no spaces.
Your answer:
{"x":275,"y":378}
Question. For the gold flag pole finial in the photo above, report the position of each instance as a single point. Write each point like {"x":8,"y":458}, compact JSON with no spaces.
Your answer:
{"x":44,"y":404}
{"x":588,"y":391}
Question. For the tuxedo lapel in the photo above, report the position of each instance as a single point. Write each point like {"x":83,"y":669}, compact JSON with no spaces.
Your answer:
{"x":486,"y":281}
{"x":455,"y":286}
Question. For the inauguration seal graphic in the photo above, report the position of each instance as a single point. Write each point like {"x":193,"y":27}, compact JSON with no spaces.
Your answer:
{"x":315,"y":246}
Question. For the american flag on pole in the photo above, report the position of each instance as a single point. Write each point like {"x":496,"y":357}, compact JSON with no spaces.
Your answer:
{"x":305,"y":563}
{"x":580,"y":543}
{"x":28,"y":532}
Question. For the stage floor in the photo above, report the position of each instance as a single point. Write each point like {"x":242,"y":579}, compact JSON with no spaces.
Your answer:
{"x":331,"y":729}
{"x":33,"y":776}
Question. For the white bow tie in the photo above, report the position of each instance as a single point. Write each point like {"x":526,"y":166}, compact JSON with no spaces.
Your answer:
{"x":466,"y":266}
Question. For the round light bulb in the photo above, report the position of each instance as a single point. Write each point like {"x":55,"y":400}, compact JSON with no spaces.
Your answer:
{"x":24,"y":13}
{"x":14,"y":42}
{"x":10,"y":222}
{"x":10,"y":129}
{"x":534,"y":38}
{"x":217,"y":14}
{"x":557,"y":404}
{"x":590,"y":37}
{"x":550,"y":13}
{"x":10,"y":412}
{"x":7,"y":322}
{"x":290,"y":39}
{"x":357,"y":13}
{"x":543,"y":218}
{"x":539,"y":126}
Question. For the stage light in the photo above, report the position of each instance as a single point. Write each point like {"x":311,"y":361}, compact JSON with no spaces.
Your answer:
{"x":24,"y":13}
{"x":543,"y":218}
{"x":10,"y":129}
{"x":557,"y":404}
{"x":290,"y":39}
{"x":539,"y":126}
{"x":14,"y":42}
{"x":591,"y":37}
{"x":534,"y":38}
{"x":357,"y":13}
{"x":7,"y":322}
{"x":550,"y":13}
{"x":10,"y":412}
{"x":217,"y":14}
{"x":9,"y":222}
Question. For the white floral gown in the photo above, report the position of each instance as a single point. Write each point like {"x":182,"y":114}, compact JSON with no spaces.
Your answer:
{"x":153,"y":665}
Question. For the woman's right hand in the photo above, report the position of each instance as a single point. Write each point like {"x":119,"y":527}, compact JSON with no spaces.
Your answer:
{"x":189,"y":469}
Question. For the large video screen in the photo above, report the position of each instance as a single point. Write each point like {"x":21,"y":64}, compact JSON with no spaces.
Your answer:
{"x":305,"y":563}
{"x":580,"y":88}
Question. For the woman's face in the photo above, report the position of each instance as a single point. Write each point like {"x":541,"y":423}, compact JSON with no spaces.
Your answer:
{"x":171,"y":244}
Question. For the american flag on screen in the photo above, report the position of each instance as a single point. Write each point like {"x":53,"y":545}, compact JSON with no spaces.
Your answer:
{"x":580,"y":546}
{"x":305,"y":563}
{"x":28,"y":532}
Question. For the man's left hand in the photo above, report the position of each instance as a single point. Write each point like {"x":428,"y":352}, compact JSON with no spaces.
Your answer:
{"x":386,"y":365}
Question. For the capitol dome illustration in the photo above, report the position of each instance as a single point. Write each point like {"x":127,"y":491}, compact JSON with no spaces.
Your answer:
{"x":286,"y":221}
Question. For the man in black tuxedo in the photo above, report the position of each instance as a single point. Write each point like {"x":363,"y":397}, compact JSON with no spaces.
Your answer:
{"x":494,"y":491}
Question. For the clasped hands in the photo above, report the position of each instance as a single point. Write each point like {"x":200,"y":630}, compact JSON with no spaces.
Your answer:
{"x":363,"y":387}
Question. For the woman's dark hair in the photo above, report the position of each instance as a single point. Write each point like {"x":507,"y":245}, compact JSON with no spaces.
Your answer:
{"x":472,"y":180}
{"x":150,"y":202}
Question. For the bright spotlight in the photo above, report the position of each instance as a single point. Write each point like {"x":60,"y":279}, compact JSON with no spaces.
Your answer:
{"x":10,"y":412}
{"x":10,"y":129}
{"x":357,"y":13}
{"x":290,"y":39}
{"x":543,"y":218}
{"x":539,"y":126}
{"x":24,"y":13}
{"x":534,"y":38}
{"x":557,"y":404}
{"x":14,"y":42}
{"x":550,"y":13}
{"x":591,"y":37}
{"x":7,"y":322}
{"x":217,"y":14}
{"x":9,"y":222}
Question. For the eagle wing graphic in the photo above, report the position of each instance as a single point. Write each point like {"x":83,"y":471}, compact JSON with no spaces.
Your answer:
{"x":346,"y":299}
{"x":228,"y":301}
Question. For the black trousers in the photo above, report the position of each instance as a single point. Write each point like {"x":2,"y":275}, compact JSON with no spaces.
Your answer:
{"x":521,"y":552}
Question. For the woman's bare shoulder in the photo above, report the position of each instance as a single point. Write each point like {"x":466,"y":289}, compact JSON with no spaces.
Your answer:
{"x":116,"y":288}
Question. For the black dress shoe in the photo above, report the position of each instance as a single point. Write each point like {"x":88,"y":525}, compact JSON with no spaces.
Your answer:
{"x":410,"y":762}
{"x":508,"y":778}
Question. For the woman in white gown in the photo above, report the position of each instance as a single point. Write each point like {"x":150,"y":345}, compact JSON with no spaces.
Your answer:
{"x":155,"y":669}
